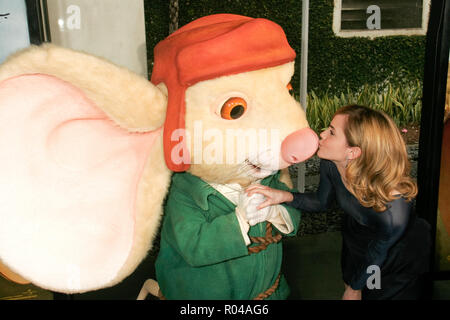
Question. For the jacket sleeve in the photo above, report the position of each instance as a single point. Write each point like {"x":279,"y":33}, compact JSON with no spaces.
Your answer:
{"x":294,"y":213}
{"x":199,"y":240}
{"x":320,"y":200}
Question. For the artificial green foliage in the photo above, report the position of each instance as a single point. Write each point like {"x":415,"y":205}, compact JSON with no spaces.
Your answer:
{"x":334,"y":64}
{"x":156,"y":26}
{"x":402,"y":103}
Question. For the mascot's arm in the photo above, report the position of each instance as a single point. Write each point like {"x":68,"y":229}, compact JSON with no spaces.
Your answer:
{"x":295,"y":214}
{"x":197,"y":239}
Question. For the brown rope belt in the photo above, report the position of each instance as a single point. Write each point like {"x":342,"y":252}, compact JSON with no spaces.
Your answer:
{"x":264,"y":242}
{"x":269,"y":291}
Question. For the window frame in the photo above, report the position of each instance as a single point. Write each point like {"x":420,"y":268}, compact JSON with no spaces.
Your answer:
{"x":379,"y":32}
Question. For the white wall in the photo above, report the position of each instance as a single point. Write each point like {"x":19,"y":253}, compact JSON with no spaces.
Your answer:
{"x":113,"y":29}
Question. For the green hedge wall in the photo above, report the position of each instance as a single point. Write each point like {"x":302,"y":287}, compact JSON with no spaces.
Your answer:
{"x":156,"y":26}
{"x":335,"y":64}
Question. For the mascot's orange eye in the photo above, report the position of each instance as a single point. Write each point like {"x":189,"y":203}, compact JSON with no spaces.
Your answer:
{"x":291,"y":90}
{"x":233,"y":108}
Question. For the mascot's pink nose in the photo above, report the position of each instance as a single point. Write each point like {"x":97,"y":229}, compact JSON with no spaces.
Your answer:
{"x":299,"y":145}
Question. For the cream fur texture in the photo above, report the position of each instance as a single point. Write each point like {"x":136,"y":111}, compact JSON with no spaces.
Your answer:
{"x":134,"y":104}
{"x":127,"y":98}
{"x":270,"y":109}
{"x":153,"y":188}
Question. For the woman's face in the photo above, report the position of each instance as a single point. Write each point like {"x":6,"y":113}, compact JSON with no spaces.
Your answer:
{"x":333,"y":144}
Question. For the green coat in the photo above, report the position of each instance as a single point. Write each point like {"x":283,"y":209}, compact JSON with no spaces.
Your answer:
{"x":202,"y":252}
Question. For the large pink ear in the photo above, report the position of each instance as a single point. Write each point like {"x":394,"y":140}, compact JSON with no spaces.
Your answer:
{"x":69,"y":184}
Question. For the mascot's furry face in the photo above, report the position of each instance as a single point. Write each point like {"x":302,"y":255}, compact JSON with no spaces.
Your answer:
{"x":89,"y":149}
{"x":248,"y":146}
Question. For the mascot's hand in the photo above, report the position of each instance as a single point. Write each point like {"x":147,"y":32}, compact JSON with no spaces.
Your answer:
{"x":250,"y":205}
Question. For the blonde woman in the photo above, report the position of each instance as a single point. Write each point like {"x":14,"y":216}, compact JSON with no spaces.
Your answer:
{"x":365,"y":168}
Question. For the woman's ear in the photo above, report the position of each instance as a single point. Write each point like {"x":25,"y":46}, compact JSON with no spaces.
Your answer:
{"x":354,"y":152}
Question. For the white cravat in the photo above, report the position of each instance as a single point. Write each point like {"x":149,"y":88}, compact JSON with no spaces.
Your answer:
{"x":281,"y":219}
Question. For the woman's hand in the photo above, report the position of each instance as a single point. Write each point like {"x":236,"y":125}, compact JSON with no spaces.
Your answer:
{"x":250,"y":205}
{"x":273,"y":196}
{"x":350,"y":294}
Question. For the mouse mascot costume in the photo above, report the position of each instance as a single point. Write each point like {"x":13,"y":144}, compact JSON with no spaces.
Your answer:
{"x":90,"y":151}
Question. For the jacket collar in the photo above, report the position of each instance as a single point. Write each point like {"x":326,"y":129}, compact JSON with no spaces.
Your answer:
{"x":199,"y":190}
{"x":196,"y":188}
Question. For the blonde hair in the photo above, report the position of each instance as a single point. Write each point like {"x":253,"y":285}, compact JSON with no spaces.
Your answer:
{"x":383,"y":166}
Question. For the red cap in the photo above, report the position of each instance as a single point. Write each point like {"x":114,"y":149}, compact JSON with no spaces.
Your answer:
{"x":207,"y":48}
